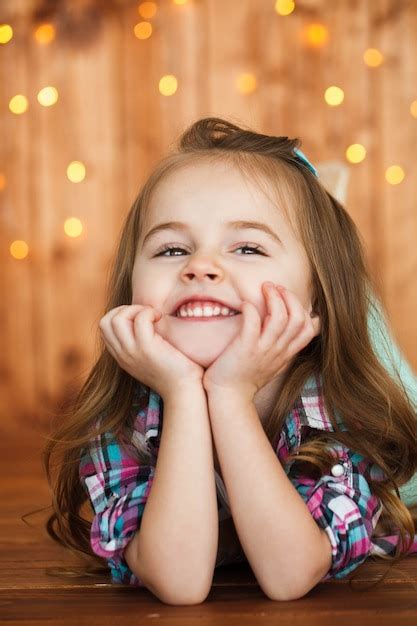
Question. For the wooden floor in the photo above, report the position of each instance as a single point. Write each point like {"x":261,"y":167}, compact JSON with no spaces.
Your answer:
{"x":29,"y":596}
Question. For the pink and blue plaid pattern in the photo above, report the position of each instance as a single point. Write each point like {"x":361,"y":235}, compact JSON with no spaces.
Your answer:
{"x":343,"y":505}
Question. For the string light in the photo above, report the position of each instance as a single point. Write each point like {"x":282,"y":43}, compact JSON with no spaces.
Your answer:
{"x":355,"y":153}
{"x":19,"y":249}
{"x":18,"y":104}
{"x":73,"y":227}
{"x":6,"y":33}
{"x":143,"y":30}
{"x":48,"y":96}
{"x":284,"y":7}
{"x":373,"y":57}
{"x":168,"y":85}
{"x":45,"y":33}
{"x":76,"y":171}
{"x":394,"y":174}
{"x":246,"y":83}
{"x":147,"y":9}
{"x":334,"y":96}
{"x":316,"y":35}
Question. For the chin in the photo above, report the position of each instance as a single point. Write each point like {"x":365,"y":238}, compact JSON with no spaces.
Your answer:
{"x":200,"y":342}
{"x":204,"y":354}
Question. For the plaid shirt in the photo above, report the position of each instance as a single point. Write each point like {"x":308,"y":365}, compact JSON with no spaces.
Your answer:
{"x":340,"y":502}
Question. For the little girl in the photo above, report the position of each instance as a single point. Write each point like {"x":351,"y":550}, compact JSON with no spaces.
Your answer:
{"x":239,"y":409}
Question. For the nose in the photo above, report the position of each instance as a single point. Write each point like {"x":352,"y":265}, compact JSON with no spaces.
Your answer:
{"x":202,"y":267}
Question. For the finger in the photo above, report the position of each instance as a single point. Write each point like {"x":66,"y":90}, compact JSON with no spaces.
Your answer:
{"x":276,"y":320}
{"x":143,"y":325}
{"x":297,"y":319}
{"x":303,"y":339}
{"x":107,"y":331}
{"x":122,"y":325}
{"x":112,"y":352}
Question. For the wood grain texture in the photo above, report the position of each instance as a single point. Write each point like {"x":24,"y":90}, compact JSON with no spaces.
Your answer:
{"x":111,"y":116}
{"x":29,"y":595}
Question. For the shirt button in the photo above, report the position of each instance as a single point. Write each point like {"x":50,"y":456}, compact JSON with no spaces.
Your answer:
{"x":338,"y":470}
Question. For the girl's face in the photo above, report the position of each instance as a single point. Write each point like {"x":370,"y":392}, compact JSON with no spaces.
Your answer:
{"x":202,"y":199}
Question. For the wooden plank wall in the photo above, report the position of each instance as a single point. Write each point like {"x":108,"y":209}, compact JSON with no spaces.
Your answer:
{"x":111,"y":116}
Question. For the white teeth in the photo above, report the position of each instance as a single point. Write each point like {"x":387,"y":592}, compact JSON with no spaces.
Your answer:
{"x":205,"y":311}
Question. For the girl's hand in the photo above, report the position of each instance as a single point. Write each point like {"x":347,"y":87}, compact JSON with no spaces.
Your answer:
{"x":256,"y":356}
{"x":130,"y":337}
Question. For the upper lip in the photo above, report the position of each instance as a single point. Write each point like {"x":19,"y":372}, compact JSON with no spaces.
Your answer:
{"x":203,"y":298}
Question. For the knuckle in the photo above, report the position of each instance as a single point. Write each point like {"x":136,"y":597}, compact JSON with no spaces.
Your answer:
{"x":299,"y":322}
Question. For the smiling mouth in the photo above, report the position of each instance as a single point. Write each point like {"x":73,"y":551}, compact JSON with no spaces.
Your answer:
{"x":213,"y":318}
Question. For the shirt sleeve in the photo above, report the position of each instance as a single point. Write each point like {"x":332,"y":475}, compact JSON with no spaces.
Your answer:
{"x":118,"y":488}
{"x":344,"y":507}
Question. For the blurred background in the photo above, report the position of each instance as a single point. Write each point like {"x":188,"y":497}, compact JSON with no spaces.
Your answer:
{"x":95,"y":92}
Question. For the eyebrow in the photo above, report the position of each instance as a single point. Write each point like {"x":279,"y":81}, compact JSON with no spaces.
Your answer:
{"x":235,"y":225}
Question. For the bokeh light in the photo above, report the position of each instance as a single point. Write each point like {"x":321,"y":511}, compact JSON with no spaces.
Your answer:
{"x":76,"y":171}
{"x":180,"y":2}
{"x":19,"y":249}
{"x":48,"y":96}
{"x":6,"y":33}
{"x":394,"y":174}
{"x":18,"y":104}
{"x":147,"y":9}
{"x":413,"y":108}
{"x":168,"y":85}
{"x":355,"y":153}
{"x":73,"y":227}
{"x":334,"y":95}
{"x":316,"y":35}
{"x":246,"y":83}
{"x":45,"y":33}
{"x":143,"y":30}
{"x":373,"y":57}
{"x":284,"y":7}
{"x":2,"y":181}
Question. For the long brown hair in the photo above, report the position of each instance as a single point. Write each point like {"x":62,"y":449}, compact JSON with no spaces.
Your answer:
{"x":379,"y":416}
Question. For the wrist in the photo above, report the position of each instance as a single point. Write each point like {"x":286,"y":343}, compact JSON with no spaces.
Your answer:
{"x":185,"y":392}
{"x":241,"y":393}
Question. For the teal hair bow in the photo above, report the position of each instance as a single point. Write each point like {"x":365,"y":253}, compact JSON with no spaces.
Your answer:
{"x":302,"y":157}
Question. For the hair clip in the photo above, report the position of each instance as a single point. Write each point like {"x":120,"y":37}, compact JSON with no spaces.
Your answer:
{"x":302,"y":157}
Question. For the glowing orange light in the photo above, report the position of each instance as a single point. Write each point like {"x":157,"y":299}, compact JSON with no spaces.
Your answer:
{"x":284,"y":7}
{"x":143,"y":30}
{"x":246,"y":83}
{"x":168,"y":85}
{"x":316,"y":35}
{"x":355,"y":153}
{"x":373,"y":57}
{"x":45,"y":33}
{"x":76,"y":171}
{"x":19,"y":249}
{"x":6,"y":33}
{"x":18,"y":104}
{"x":334,"y":95}
{"x":394,"y":174}
{"x":73,"y":227}
{"x":147,"y":9}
